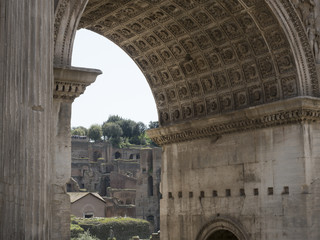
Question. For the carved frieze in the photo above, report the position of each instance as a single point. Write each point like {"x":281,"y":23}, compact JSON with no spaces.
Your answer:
{"x":296,"y":111}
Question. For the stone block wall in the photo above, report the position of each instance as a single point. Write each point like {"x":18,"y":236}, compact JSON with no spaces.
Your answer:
{"x":264,"y":180}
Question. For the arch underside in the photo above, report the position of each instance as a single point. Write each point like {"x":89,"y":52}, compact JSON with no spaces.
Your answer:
{"x":201,"y":57}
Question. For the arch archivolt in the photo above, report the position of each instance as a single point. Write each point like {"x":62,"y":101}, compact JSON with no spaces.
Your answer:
{"x":202,"y":57}
{"x":221,"y":223}
{"x":301,"y":38}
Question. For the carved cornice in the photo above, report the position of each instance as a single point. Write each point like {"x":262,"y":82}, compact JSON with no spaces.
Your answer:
{"x":71,"y":82}
{"x":68,"y":91}
{"x":292,"y":111}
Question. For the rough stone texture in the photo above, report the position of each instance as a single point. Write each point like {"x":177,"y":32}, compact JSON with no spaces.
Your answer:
{"x":26,"y":78}
{"x":259,"y":159}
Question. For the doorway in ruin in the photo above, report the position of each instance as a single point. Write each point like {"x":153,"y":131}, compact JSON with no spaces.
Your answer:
{"x":222,"y":235}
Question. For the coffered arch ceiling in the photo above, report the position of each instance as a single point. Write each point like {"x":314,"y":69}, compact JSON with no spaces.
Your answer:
{"x":201,"y":57}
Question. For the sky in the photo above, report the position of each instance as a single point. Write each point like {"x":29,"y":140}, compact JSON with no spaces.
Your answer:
{"x":120,"y":90}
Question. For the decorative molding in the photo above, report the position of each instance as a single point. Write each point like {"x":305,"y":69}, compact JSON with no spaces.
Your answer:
{"x":291,"y":111}
{"x":68,"y":90}
{"x":309,"y":14}
{"x":70,"y":83}
{"x":67,"y":17}
{"x":303,"y":32}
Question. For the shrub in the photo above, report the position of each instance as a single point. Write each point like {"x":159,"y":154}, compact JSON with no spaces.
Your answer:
{"x":86,"y":236}
{"x":123,"y":228}
{"x":76,"y":230}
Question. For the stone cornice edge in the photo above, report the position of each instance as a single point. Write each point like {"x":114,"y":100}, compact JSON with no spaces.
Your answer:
{"x":290,"y":111}
{"x":71,"y":82}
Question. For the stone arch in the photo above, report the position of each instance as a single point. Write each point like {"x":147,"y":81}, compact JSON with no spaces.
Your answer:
{"x":201,"y":57}
{"x":222,"y":223}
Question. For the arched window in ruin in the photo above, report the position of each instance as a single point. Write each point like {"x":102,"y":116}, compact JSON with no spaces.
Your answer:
{"x":150,"y":218}
{"x":131,"y":156}
{"x":222,"y":235}
{"x":117,"y":155}
{"x":138,"y":156}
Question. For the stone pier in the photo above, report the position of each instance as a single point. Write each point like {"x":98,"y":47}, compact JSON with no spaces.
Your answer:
{"x":69,"y":83}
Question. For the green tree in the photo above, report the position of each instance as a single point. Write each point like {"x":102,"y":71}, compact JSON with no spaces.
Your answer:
{"x":138,"y":134}
{"x":95,"y":132}
{"x":80,"y":131}
{"x":154,"y":124}
{"x":139,"y":129}
{"x":114,"y":118}
{"x":127,"y":126}
{"x":111,"y":130}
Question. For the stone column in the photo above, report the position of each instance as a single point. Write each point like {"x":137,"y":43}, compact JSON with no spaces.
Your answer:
{"x":69,"y":83}
{"x":26,"y":77}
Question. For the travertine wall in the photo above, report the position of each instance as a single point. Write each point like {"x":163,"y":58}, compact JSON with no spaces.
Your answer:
{"x":279,"y":157}
{"x":26,"y":79}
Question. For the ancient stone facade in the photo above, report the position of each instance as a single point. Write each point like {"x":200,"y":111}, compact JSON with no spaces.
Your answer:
{"x":236,"y":83}
{"x":128,"y":179}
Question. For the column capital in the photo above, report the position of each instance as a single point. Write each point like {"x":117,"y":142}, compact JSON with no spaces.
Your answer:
{"x":71,"y":82}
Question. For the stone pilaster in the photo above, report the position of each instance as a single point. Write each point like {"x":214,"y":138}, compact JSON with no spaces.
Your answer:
{"x":26,"y":78}
{"x":69,"y":83}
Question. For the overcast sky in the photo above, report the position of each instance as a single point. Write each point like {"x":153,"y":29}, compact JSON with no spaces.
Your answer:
{"x":120,"y":90}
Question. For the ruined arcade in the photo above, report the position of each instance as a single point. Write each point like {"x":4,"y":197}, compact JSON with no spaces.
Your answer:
{"x":236,"y":83}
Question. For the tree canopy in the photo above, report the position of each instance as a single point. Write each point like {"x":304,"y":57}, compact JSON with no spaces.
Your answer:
{"x":119,"y":131}
{"x":80,"y":131}
{"x":111,"y":130}
{"x":95,"y":132}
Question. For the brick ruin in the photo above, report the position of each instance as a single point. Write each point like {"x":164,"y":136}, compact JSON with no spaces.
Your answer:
{"x":128,"y":179}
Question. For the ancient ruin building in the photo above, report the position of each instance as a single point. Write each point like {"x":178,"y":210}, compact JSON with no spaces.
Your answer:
{"x":237,"y":87}
{"x":127,"y":179}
